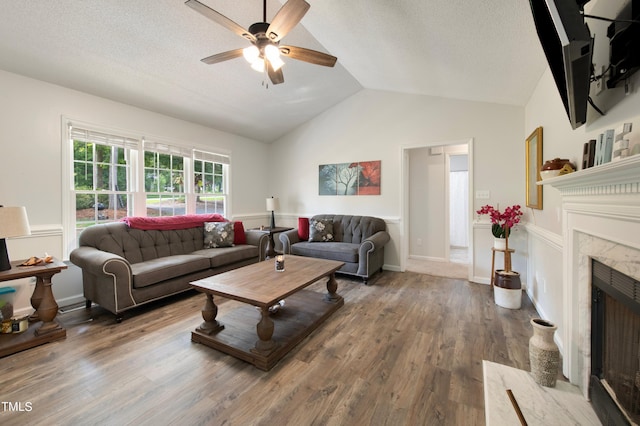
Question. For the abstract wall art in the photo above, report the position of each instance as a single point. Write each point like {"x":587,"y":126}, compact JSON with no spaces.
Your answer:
{"x":361,"y":178}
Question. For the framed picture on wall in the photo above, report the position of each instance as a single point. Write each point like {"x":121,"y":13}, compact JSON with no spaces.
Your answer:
{"x":357,"y":178}
{"x":534,"y":164}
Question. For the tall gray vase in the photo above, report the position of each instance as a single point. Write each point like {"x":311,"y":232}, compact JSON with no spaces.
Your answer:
{"x":544,"y":355}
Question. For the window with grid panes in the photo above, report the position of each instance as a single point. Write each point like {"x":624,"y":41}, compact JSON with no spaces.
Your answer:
{"x":209,"y":182}
{"x":101,"y":177}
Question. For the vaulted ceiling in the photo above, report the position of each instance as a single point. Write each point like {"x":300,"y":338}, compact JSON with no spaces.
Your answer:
{"x":147,"y":53}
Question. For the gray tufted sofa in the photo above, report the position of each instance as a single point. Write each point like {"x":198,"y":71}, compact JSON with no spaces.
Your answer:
{"x":358,"y":242}
{"x":123,"y":267}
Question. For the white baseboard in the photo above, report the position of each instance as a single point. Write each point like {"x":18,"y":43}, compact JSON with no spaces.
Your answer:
{"x":393,"y":268}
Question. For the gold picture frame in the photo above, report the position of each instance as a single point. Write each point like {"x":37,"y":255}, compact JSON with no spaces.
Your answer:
{"x":534,"y":165}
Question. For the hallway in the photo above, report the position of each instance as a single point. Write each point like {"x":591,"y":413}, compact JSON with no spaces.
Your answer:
{"x":458,"y":267}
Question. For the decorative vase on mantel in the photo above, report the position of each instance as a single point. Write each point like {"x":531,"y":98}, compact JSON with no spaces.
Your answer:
{"x":544,"y":355}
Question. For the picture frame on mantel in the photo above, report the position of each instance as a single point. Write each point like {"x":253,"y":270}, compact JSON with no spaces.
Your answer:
{"x":534,"y":165}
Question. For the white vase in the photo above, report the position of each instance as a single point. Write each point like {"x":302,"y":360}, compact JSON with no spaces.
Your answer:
{"x":500,"y":243}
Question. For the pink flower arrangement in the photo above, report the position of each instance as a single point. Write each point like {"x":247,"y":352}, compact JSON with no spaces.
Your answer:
{"x":502,"y":222}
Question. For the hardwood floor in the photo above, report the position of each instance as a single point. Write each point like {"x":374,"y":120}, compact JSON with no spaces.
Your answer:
{"x":406,"y":350}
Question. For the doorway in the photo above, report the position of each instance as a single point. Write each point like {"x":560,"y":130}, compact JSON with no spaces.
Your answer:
{"x":437,"y":183}
{"x":458,"y":208}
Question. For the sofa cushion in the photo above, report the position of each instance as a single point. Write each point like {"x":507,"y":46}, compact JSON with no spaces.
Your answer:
{"x":218,"y":234}
{"x":163,"y":268}
{"x":321,"y":230}
{"x":343,"y":252}
{"x":228,"y":255}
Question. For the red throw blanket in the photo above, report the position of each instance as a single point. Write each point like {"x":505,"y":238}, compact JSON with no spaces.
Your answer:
{"x":166,"y":223}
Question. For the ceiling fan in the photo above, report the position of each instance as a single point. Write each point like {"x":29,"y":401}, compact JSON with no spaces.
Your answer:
{"x":265,"y":50}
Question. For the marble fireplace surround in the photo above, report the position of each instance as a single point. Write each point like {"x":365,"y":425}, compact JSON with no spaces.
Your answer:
{"x":601,"y":220}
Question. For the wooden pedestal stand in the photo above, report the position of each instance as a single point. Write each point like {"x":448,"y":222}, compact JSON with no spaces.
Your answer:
{"x":42,"y":325}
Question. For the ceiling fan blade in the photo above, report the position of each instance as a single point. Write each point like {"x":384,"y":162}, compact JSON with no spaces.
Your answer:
{"x":224,"y":56}
{"x":287,"y":17}
{"x":308,"y":55}
{"x":276,"y":77}
{"x":220,"y":19}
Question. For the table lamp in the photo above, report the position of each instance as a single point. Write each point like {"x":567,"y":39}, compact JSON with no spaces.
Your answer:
{"x":272,"y":204}
{"x":13,"y":223}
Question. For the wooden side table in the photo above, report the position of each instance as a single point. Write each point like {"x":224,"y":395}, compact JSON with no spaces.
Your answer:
{"x":42,"y":325}
{"x":271,"y":245}
{"x":507,"y":253}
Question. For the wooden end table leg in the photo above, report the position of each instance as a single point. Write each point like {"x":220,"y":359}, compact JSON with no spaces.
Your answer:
{"x":265,"y":345}
{"x":209,"y":314}
{"x":493,"y":265}
{"x":271,"y":247}
{"x":332,"y":287}
{"x":47,"y":308}
{"x":36,"y":298}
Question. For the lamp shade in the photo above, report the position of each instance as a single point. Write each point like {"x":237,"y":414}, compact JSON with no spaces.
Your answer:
{"x":272,"y":204}
{"x":14,"y":222}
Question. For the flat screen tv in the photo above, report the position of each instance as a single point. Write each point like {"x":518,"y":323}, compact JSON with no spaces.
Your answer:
{"x":568,"y":46}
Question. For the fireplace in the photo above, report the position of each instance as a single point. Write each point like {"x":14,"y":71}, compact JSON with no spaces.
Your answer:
{"x":601,"y":222}
{"x":615,"y":346}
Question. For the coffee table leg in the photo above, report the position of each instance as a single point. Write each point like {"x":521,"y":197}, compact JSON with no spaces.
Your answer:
{"x":209,"y":313}
{"x":264,"y":346}
{"x":332,"y":287}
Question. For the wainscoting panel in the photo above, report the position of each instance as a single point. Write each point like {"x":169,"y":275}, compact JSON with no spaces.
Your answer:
{"x":544,"y":280}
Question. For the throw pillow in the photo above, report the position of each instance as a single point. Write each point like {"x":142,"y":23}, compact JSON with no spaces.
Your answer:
{"x":218,"y":234}
{"x":320,"y":230}
{"x":238,"y":233}
{"x":303,"y":228}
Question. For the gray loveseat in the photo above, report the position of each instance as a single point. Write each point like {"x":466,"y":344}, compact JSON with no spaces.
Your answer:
{"x":358,"y":241}
{"x":124,"y":267}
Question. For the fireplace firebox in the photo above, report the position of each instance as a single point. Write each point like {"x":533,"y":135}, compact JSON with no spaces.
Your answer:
{"x":614,"y":385}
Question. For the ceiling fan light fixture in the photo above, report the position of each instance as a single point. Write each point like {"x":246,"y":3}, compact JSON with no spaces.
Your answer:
{"x":264,"y":54}
{"x":271,"y":52}
{"x":251,"y":54}
{"x":258,"y":65}
{"x":276,"y":64}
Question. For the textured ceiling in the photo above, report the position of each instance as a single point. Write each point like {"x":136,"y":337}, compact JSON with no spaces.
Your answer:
{"x":147,"y":53}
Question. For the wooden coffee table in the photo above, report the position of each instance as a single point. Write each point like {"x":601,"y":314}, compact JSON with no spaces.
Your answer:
{"x":261,"y":285}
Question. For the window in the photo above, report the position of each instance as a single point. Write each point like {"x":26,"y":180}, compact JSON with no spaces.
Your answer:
{"x":164,"y":184}
{"x":210,"y":182}
{"x":112,"y":176}
{"x":101,"y":177}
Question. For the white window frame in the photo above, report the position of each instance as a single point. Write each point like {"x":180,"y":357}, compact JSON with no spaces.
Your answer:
{"x":199,"y":155}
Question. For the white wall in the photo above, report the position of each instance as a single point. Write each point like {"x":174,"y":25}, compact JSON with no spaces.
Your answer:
{"x":426,"y":204}
{"x":378,"y":125}
{"x":433,"y":208}
{"x":30,"y":175}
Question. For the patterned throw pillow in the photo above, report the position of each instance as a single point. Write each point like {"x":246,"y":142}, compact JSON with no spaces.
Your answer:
{"x":320,"y":230}
{"x":218,"y":234}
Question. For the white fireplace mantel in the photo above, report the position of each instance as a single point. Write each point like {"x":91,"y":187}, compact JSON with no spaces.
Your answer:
{"x":601,"y":219}
{"x":621,"y":177}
